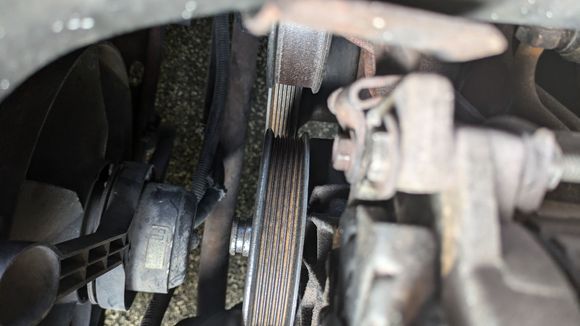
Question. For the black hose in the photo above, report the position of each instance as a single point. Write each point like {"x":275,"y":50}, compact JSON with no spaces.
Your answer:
{"x":221,"y":44}
{"x":213,"y":266}
{"x":221,"y":51}
{"x":162,"y":155}
{"x":156,"y":308}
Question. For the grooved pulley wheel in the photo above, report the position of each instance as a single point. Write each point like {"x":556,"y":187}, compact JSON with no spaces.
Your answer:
{"x":278,"y":233}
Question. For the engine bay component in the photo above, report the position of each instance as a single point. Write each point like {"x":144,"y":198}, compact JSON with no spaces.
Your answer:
{"x":241,"y":238}
{"x":26,"y":297}
{"x":83,"y":260}
{"x":488,"y":258}
{"x":114,"y":199}
{"x":271,"y":290}
{"x":283,"y":109}
{"x":441,"y":185}
{"x":392,"y":276}
{"x":36,"y":278}
{"x":293,"y":67}
{"x":535,"y":167}
{"x":159,"y":235}
{"x":48,"y":169}
{"x":386,"y":23}
{"x":378,"y":153}
{"x":66,"y":184}
{"x":295,"y":63}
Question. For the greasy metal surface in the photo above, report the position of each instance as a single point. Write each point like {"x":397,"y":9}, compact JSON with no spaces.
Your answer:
{"x":283,"y":109}
{"x":35,"y":32}
{"x":394,"y":271}
{"x":447,"y":38}
{"x":498,"y":266}
{"x":300,"y":55}
{"x":278,"y":234}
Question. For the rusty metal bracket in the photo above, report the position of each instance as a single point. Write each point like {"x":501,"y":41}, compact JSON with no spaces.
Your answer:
{"x":492,"y":269}
{"x":380,"y":154}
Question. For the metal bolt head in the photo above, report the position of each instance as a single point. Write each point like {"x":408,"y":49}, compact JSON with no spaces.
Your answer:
{"x":380,"y":169}
{"x":241,"y":237}
{"x":342,"y":151}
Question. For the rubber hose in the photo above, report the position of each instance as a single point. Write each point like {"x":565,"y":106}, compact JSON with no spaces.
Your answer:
{"x":156,"y":308}
{"x":221,"y":43}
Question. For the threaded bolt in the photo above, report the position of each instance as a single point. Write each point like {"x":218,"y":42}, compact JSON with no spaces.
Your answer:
{"x":241,"y":237}
{"x":571,"y":168}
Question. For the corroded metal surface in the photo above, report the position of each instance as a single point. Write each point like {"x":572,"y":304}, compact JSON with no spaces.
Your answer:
{"x":300,"y":55}
{"x":379,"y":154}
{"x":487,"y":258}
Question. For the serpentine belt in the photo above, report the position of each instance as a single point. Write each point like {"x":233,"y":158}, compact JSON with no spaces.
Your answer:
{"x":296,"y":61}
{"x":278,"y":233}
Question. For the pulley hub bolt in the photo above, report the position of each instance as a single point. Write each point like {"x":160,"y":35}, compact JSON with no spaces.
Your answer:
{"x":241,"y":237}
